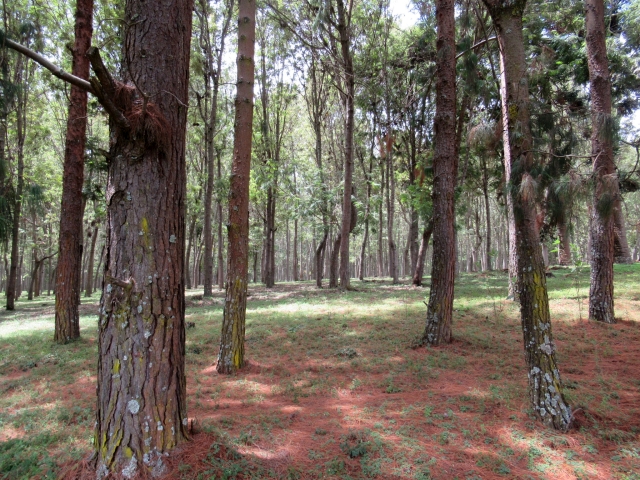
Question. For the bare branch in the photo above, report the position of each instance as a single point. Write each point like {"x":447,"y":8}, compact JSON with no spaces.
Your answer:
{"x":54,"y":69}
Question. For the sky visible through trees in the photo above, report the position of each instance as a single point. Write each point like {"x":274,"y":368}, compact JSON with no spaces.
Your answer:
{"x":334,"y":144}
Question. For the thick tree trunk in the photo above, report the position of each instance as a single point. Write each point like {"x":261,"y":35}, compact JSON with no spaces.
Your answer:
{"x":445,"y":167}
{"x":231,"y":356}
{"x":604,"y":171}
{"x":422,"y":254}
{"x":545,"y":386}
{"x":67,"y":319}
{"x":141,"y":411}
{"x":88,"y":289}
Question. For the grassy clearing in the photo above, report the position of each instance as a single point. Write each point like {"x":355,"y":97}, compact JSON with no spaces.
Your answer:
{"x":333,"y":391}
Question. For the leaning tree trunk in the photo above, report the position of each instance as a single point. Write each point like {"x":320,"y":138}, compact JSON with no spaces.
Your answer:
{"x":545,"y":386}
{"x":67,"y":318}
{"x":231,"y":356}
{"x":333,"y":269}
{"x":422,"y":254}
{"x":319,"y":257}
{"x":604,"y":171}
{"x":445,"y":166}
{"x":141,"y":411}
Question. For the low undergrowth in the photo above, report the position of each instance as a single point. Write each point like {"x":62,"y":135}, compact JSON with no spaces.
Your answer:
{"x":332,"y":389}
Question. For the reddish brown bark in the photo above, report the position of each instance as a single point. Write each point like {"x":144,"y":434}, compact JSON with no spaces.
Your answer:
{"x":231,"y":356}
{"x":545,"y":386}
{"x":605,"y":192}
{"x":141,"y":410}
{"x":67,"y":320}
{"x":445,"y":167}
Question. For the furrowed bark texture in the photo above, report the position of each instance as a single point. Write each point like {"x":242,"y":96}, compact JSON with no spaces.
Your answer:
{"x":445,"y":166}
{"x":545,"y":387}
{"x":141,"y":411}
{"x":605,"y":195}
{"x":67,"y":320}
{"x":231,"y":356}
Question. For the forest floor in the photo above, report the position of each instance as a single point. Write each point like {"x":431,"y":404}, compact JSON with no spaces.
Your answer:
{"x":333,"y":389}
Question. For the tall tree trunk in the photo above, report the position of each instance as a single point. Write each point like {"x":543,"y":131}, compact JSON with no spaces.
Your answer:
{"x":445,"y":166}
{"x":14,"y":283}
{"x":604,"y":171}
{"x":381,"y":269}
{"x":231,"y":356}
{"x":545,"y":386}
{"x":636,"y":250}
{"x":88,"y":290}
{"x":220,"y":237}
{"x":67,"y":318}
{"x":141,"y":412}
{"x":422,"y":254}
{"x":487,"y":209}
{"x":344,"y":20}
{"x":270,"y":240}
{"x":212,"y":74}
{"x":391,"y":210}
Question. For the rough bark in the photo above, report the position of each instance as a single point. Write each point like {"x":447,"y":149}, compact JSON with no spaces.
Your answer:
{"x":487,"y":210}
{"x":319,"y":257}
{"x":545,"y":386}
{"x":422,"y":254}
{"x":141,"y":411}
{"x":231,"y":356}
{"x":445,"y":166}
{"x":605,"y":192}
{"x":67,"y":326}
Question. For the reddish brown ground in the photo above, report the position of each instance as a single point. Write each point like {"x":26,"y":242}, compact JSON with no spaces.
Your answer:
{"x":458,"y":411}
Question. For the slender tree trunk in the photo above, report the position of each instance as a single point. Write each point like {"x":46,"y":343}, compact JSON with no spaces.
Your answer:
{"x":445,"y":166}
{"x":319,"y":257}
{"x":100,"y":260}
{"x":636,"y":253}
{"x":89,"y":275}
{"x":296,"y":266}
{"x":67,"y":289}
{"x":422,"y":254}
{"x":349,"y":98}
{"x":14,"y":284}
{"x":604,"y":171}
{"x":187,"y":266}
{"x":141,"y":411}
{"x":564,"y":247}
{"x":487,"y":209}
{"x":220,"y":237}
{"x":545,"y":386}
{"x":391,"y":210}
{"x":333,"y":270}
{"x":231,"y":356}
